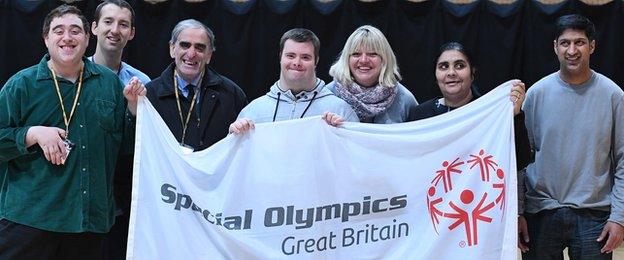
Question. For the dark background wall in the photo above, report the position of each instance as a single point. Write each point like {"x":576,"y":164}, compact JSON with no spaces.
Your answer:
{"x":508,"y":41}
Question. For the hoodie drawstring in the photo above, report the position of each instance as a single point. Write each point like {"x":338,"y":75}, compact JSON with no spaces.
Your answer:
{"x":276,"y":105}
{"x":306,"y":109}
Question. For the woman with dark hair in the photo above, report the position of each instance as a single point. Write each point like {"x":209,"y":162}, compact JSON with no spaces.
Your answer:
{"x":455,"y":76}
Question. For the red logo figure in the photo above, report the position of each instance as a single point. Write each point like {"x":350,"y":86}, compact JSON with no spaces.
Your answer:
{"x":445,"y":174}
{"x":443,"y":208}
{"x":433,"y":211}
{"x":485,"y":163}
{"x":462,"y":216}
{"x":500,"y":199}
{"x":477,"y":214}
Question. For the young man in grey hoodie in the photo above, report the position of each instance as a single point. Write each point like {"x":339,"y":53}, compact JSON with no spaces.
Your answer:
{"x":298,"y":93}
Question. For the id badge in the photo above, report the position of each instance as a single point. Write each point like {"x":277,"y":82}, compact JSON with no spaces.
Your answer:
{"x":69,"y":145}
{"x":186,"y":149}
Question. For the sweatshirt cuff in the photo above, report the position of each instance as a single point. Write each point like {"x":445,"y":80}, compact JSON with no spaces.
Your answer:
{"x":20,"y":140}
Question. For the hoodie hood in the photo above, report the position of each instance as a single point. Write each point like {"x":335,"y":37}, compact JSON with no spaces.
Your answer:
{"x":279,"y":104}
{"x":303,"y":96}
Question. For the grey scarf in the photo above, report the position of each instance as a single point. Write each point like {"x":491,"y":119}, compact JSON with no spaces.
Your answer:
{"x":367,"y":102}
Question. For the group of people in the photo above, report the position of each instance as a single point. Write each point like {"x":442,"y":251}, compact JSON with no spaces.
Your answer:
{"x":67,"y":128}
{"x":366,"y":84}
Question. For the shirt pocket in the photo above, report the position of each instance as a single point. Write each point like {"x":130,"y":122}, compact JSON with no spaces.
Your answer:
{"x":106,"y":115}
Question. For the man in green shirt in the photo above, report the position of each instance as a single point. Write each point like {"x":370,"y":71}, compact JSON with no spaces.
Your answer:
{"x":63,"y":123}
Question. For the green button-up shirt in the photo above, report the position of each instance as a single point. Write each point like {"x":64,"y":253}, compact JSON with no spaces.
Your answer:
{"x":77,"y":196}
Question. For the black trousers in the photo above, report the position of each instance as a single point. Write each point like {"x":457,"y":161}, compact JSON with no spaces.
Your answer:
{"x":22,"y":242}
{"x":116,"y":240}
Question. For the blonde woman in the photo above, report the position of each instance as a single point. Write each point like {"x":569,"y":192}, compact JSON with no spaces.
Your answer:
{"x":367,"y":77}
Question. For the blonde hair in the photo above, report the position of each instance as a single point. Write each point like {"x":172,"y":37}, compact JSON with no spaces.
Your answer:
{"x":373,"y":40}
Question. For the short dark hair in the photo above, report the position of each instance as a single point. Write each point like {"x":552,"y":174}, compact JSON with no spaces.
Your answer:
{"x":460,"y":48}
{"x":301,"y":35}
{"x":121,"y":3}
{"x":575,"y":22}
{"x":60,"y":11}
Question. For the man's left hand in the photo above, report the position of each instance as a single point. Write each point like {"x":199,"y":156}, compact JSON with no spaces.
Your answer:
{"x":615,"y":232}
{"x":132,"y":91}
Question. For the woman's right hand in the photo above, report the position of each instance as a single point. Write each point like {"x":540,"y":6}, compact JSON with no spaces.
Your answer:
{"x":332,"y":119}
{"x":517,"y":95}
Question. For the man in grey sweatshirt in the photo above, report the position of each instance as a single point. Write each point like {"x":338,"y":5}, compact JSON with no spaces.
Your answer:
{"x":575,"y":186}
{"x":298,"y":93}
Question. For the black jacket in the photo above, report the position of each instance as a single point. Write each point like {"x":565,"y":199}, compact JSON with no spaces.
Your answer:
{"x":220,"y":102}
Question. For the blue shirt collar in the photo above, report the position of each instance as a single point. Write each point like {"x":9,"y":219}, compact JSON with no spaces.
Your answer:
{"x":126,"y":72}
{"x":182,"y":84}
{"x":121,"y":65}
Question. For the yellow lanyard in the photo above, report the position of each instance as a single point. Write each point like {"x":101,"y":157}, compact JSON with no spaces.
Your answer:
{"x":67,"y":119}
{"x":188,"y":116}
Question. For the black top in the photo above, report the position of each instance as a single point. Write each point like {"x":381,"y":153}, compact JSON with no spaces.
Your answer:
{"x":433,"y":107}
{"x":220,"y":102}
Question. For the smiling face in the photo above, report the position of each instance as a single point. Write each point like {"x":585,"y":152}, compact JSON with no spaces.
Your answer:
{"x":298,"y":65}
{"x":573,"y":49}
{"x":453,"y":74}
{"x":191,"y":51}
{"x":66,"y":40}
{"x":365,"y":66}
{"x":114,"y":29}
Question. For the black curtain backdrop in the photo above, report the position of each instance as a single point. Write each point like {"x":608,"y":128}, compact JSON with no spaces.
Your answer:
{"x":508,"y":41}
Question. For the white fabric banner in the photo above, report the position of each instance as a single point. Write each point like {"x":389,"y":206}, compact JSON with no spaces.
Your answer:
{"x":439,"y":188}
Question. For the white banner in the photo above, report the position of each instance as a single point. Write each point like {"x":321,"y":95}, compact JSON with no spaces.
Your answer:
{"x":439,"y":188}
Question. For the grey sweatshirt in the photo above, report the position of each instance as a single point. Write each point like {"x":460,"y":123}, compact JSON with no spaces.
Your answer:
{"x":285,"y":105}
{"x":577,"y":133}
